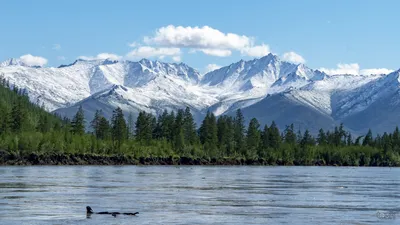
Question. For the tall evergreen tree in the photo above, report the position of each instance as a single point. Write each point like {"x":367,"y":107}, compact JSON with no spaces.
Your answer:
{"x":349,"y":141}
{"x":274,"y":136}
{"x":265,"y":138}
{"x":94,"y":124}
{"x":178,"y":132}
{"x":253,"y":138}
{"x":290,"y":136}
{"x":143,"y":127}
{"x":189,"y":127}
{"x":208,"y":133}
{"x":18,"y":117}
{"x":119,"y":130}
{"x":239,"y":132}
{"x":78,"y":122}
{"x":103,"y":131}
{"x":44,"y":124}
{"x":131,"y":125}
{"x":321,"y":139}
{"x":307,"y":140}
{"x":368,"y":139}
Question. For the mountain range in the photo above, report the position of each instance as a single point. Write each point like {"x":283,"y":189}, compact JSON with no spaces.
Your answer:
{"x":266,"y":88}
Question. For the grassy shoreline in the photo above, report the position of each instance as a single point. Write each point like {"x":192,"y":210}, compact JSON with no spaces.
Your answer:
{"x":12,"y":159}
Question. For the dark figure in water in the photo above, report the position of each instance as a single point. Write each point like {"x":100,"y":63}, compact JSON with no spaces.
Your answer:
{"x":89,"y":211}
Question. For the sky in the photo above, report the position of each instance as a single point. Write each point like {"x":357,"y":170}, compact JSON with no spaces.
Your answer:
{"x":336,"y":36}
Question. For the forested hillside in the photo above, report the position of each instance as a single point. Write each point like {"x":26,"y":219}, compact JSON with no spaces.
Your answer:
{"x":28,"y":132}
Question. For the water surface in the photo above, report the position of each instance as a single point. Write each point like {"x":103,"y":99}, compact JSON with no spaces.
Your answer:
{"x":200,"y":195}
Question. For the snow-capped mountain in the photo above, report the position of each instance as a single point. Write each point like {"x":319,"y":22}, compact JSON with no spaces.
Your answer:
{"x":266,"y":88}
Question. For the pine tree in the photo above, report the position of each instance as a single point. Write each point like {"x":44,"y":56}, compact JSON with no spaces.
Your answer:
{"x":189,"y":128}
{"x":253,"y":137}
{"x":265,"y":138}
{"x":78,"y":122}
{"x":368,"y":140}
{"x":208,"y":133}
{"x":5,"y":122}
{"x":178,"y":132}
{"x":274,"y":136}
{"x":321,"y":139}
{"x":143,"y":128}
{"x":396,"y":137}
{"x":95,"y":123}
{"x":290,"y":136}
{"x":131,"y":125}
{"x":239,"y":132}
{"x":103,"y":131}
{"x":18,"y":117}
{"x":119,"y":130}
{"x":44,"y":125}
{"x":349,"y":141}
{"x":307,"y":140}
{"x":225,"y":134}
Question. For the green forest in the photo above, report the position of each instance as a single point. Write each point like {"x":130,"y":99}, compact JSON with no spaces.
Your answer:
{"x":27,"y":131}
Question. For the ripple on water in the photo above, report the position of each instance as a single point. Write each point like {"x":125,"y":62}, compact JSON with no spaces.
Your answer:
{"x":200,"y":195}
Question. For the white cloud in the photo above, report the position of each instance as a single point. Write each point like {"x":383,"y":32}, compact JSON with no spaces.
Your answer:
{"x":56,"y":47}
{"x":212,"y":67}
{"x":31,"y":60}
{"x":354,"y":69}
{"x":293,"y":57}
{"x":256,"y":51}
{"x":176,"y":58}
{"x":342,"y":68}
{"x":197,"y":37}
{"x":217,"y":52}
{"x":206,"y":39}
{"x":148,"y":51}
{"x":133,"y":44}
{"x":101,"y":56}
{"x":376,"y":71}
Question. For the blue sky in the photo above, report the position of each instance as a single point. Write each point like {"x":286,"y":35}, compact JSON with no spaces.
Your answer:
{"x":358,"y":34}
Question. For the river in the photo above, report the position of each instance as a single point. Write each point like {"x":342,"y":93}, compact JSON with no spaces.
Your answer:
{"x":199,"y":195}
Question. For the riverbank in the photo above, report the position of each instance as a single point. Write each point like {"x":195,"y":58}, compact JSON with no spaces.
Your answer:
{"x":7,"y":158}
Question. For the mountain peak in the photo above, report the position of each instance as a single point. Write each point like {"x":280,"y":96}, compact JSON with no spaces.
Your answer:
{"x":12,"y":62}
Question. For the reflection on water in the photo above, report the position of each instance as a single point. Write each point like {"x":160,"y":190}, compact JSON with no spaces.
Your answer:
{"x":200,"y":195}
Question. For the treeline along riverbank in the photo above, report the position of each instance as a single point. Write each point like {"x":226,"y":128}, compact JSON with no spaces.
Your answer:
{"x":31,"y":136}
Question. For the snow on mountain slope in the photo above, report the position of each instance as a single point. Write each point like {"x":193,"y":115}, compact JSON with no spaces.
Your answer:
{"x":251,"y":85}
{"x":54,"y":87}
{"x":357,"y":99}
{"x":66,"y":85}
{"x":252,"y":80}
{"x":12,"y":62}
{"x":319,"y":93}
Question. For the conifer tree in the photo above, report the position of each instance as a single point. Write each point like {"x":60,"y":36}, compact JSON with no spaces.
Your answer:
{"x":103,"y":131}
{"x":290,"y":136}
{"x":189,"y":128}
{"x":349,"y":141}
{"x":274,"y":136}
{"x":368,"y":140}
{"x":119,"y":131}
{"x":95,"y":123}
{"x":321,"y":139}
{"x":307,"y":140}
{"x":239,"y":132}
{"x":131,"y":125}
{"x":18,"y":116}
{"x":143,"y":127}
{"x":78,"y":122}
{"x":44,"y":125}
{"x":265,"y":138}
{"x":253,"y":137}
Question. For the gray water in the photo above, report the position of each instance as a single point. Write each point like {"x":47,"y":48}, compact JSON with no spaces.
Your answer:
{"x":199,"y":195}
